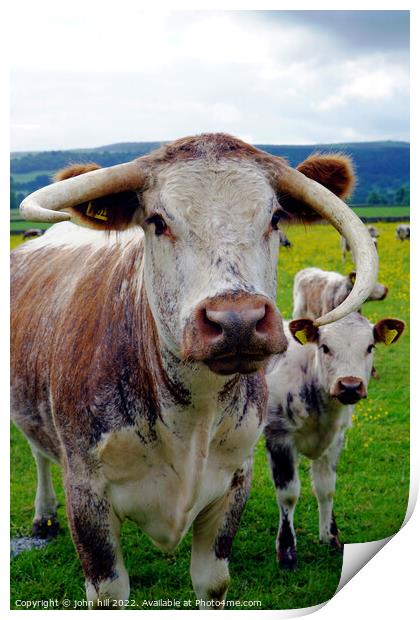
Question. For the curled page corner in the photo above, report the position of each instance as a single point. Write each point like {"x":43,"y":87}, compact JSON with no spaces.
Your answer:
{"x":356,"y":555}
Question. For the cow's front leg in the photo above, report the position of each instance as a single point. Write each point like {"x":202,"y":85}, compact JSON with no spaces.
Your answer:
{"x":283,"y":462}
{"x":213,"y":533}
{"x":95,"y":530}
{"x":324,"y":482}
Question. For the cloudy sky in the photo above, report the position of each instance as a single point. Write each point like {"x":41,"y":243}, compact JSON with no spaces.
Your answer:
{"x":286,"y":77}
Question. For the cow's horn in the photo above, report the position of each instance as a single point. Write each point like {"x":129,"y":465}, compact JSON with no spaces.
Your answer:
{"x":47,"y":203}
{"x":349,"y":225}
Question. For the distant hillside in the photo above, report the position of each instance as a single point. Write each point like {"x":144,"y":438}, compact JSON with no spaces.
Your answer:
{"x":382,"y":167}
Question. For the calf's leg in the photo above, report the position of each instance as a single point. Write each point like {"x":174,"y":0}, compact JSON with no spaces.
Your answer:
{"x":283,"y":462}
{"x":95,"y":530}
{"x":213,"y":532}
{"x":45,"y":523}
{"x":324,"y":482}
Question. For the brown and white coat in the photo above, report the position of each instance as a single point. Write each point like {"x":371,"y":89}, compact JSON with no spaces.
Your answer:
{"x":316,"y":292}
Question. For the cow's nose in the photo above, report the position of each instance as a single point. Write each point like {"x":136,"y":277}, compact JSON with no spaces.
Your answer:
{"x":233,"y":324}
{"x":234,"y":333}
{"x":350,"y":390}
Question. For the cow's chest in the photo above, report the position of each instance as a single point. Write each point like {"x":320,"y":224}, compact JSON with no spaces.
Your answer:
{"x":164,"y":484}
{"x":319,"y":429}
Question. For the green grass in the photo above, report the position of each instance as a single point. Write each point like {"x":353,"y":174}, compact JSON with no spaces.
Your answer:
{"x":372,"y":489}
{"x":382,"y":211}
{"x":18,"y":223}
{"x":24,"y":225}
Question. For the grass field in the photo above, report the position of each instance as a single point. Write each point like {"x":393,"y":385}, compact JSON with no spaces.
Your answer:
{"x":382,"y":211}
{"x":372,"y":489}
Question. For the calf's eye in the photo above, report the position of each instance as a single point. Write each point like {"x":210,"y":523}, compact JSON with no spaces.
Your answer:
{"x":159,"y":223}
{"x":370,"y":348}
{"x":325,"y":349}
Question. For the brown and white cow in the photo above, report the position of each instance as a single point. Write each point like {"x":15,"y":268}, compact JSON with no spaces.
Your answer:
{"x":138,"y":356}
{"x":312,"y":393}
{"x":316,"y":292}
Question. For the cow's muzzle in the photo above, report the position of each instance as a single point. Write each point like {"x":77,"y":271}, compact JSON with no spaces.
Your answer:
{"x":234,"y":333}
{"x":349,"y":390}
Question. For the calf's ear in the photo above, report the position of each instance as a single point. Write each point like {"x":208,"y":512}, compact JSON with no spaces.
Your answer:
{"x":388,"y":330}
{"x":303,"y":330}
{"x":110,"y":212}
{"x":332,"y":170}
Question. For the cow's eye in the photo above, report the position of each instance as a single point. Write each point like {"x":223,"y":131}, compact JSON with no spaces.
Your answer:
{"x":159,"y":223}
{"x":370,"y":348}
{"x":325,"y":349}
{"x":276,"y":217}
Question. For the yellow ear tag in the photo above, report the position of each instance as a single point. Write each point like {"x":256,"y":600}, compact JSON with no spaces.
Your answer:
{"x":390,"y":336}
{"x":49,"y":523}
{"x":301,"y":336}
{"x":99,"y":214}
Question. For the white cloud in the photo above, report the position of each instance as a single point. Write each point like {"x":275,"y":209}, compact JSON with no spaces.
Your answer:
{"x":93,"y":78}
{"x":370,"y":79}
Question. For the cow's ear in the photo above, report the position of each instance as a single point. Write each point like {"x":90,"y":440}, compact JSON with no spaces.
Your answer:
{"x":111,"y":212}
{"x":388,"y":330}
{"x":303,"y":330}
{"x":352,"y":277}
{"x":334,"y":171}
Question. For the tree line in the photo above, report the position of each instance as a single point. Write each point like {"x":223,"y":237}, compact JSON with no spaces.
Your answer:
{"x":382,"y":167}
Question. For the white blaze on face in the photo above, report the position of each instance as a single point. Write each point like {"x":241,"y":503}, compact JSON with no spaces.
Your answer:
{"x":220,"y":240}
{"x":345,"y":349}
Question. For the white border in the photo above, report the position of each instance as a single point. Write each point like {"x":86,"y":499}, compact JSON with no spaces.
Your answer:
{"x":387,"y":586}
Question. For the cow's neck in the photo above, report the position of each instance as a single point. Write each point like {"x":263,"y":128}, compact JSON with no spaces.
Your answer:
{"x":324,"y":398}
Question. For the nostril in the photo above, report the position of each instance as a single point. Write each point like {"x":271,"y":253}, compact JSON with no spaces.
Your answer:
{"x":262,"y":326}
{"x":351,"y":386}
{"x":209,"y":328}
{"x":267,"y":323}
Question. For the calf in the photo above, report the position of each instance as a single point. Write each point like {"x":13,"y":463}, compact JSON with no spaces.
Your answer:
{"x":312,"y":393}
{"x":316,"y":292}
{"x":402,"y":232}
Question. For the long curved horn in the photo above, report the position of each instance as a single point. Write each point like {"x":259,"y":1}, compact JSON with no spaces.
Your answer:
{"x":46,"y":204}
{"x":349,"y":225}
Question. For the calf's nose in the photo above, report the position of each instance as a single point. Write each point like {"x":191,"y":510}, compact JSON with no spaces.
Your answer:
{"x":349,"y":390}
{"x":350,"y":383}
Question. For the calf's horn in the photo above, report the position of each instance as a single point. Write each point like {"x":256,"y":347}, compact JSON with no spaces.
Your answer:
{"x":46,"y":204}
{"x":349,"y":225}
